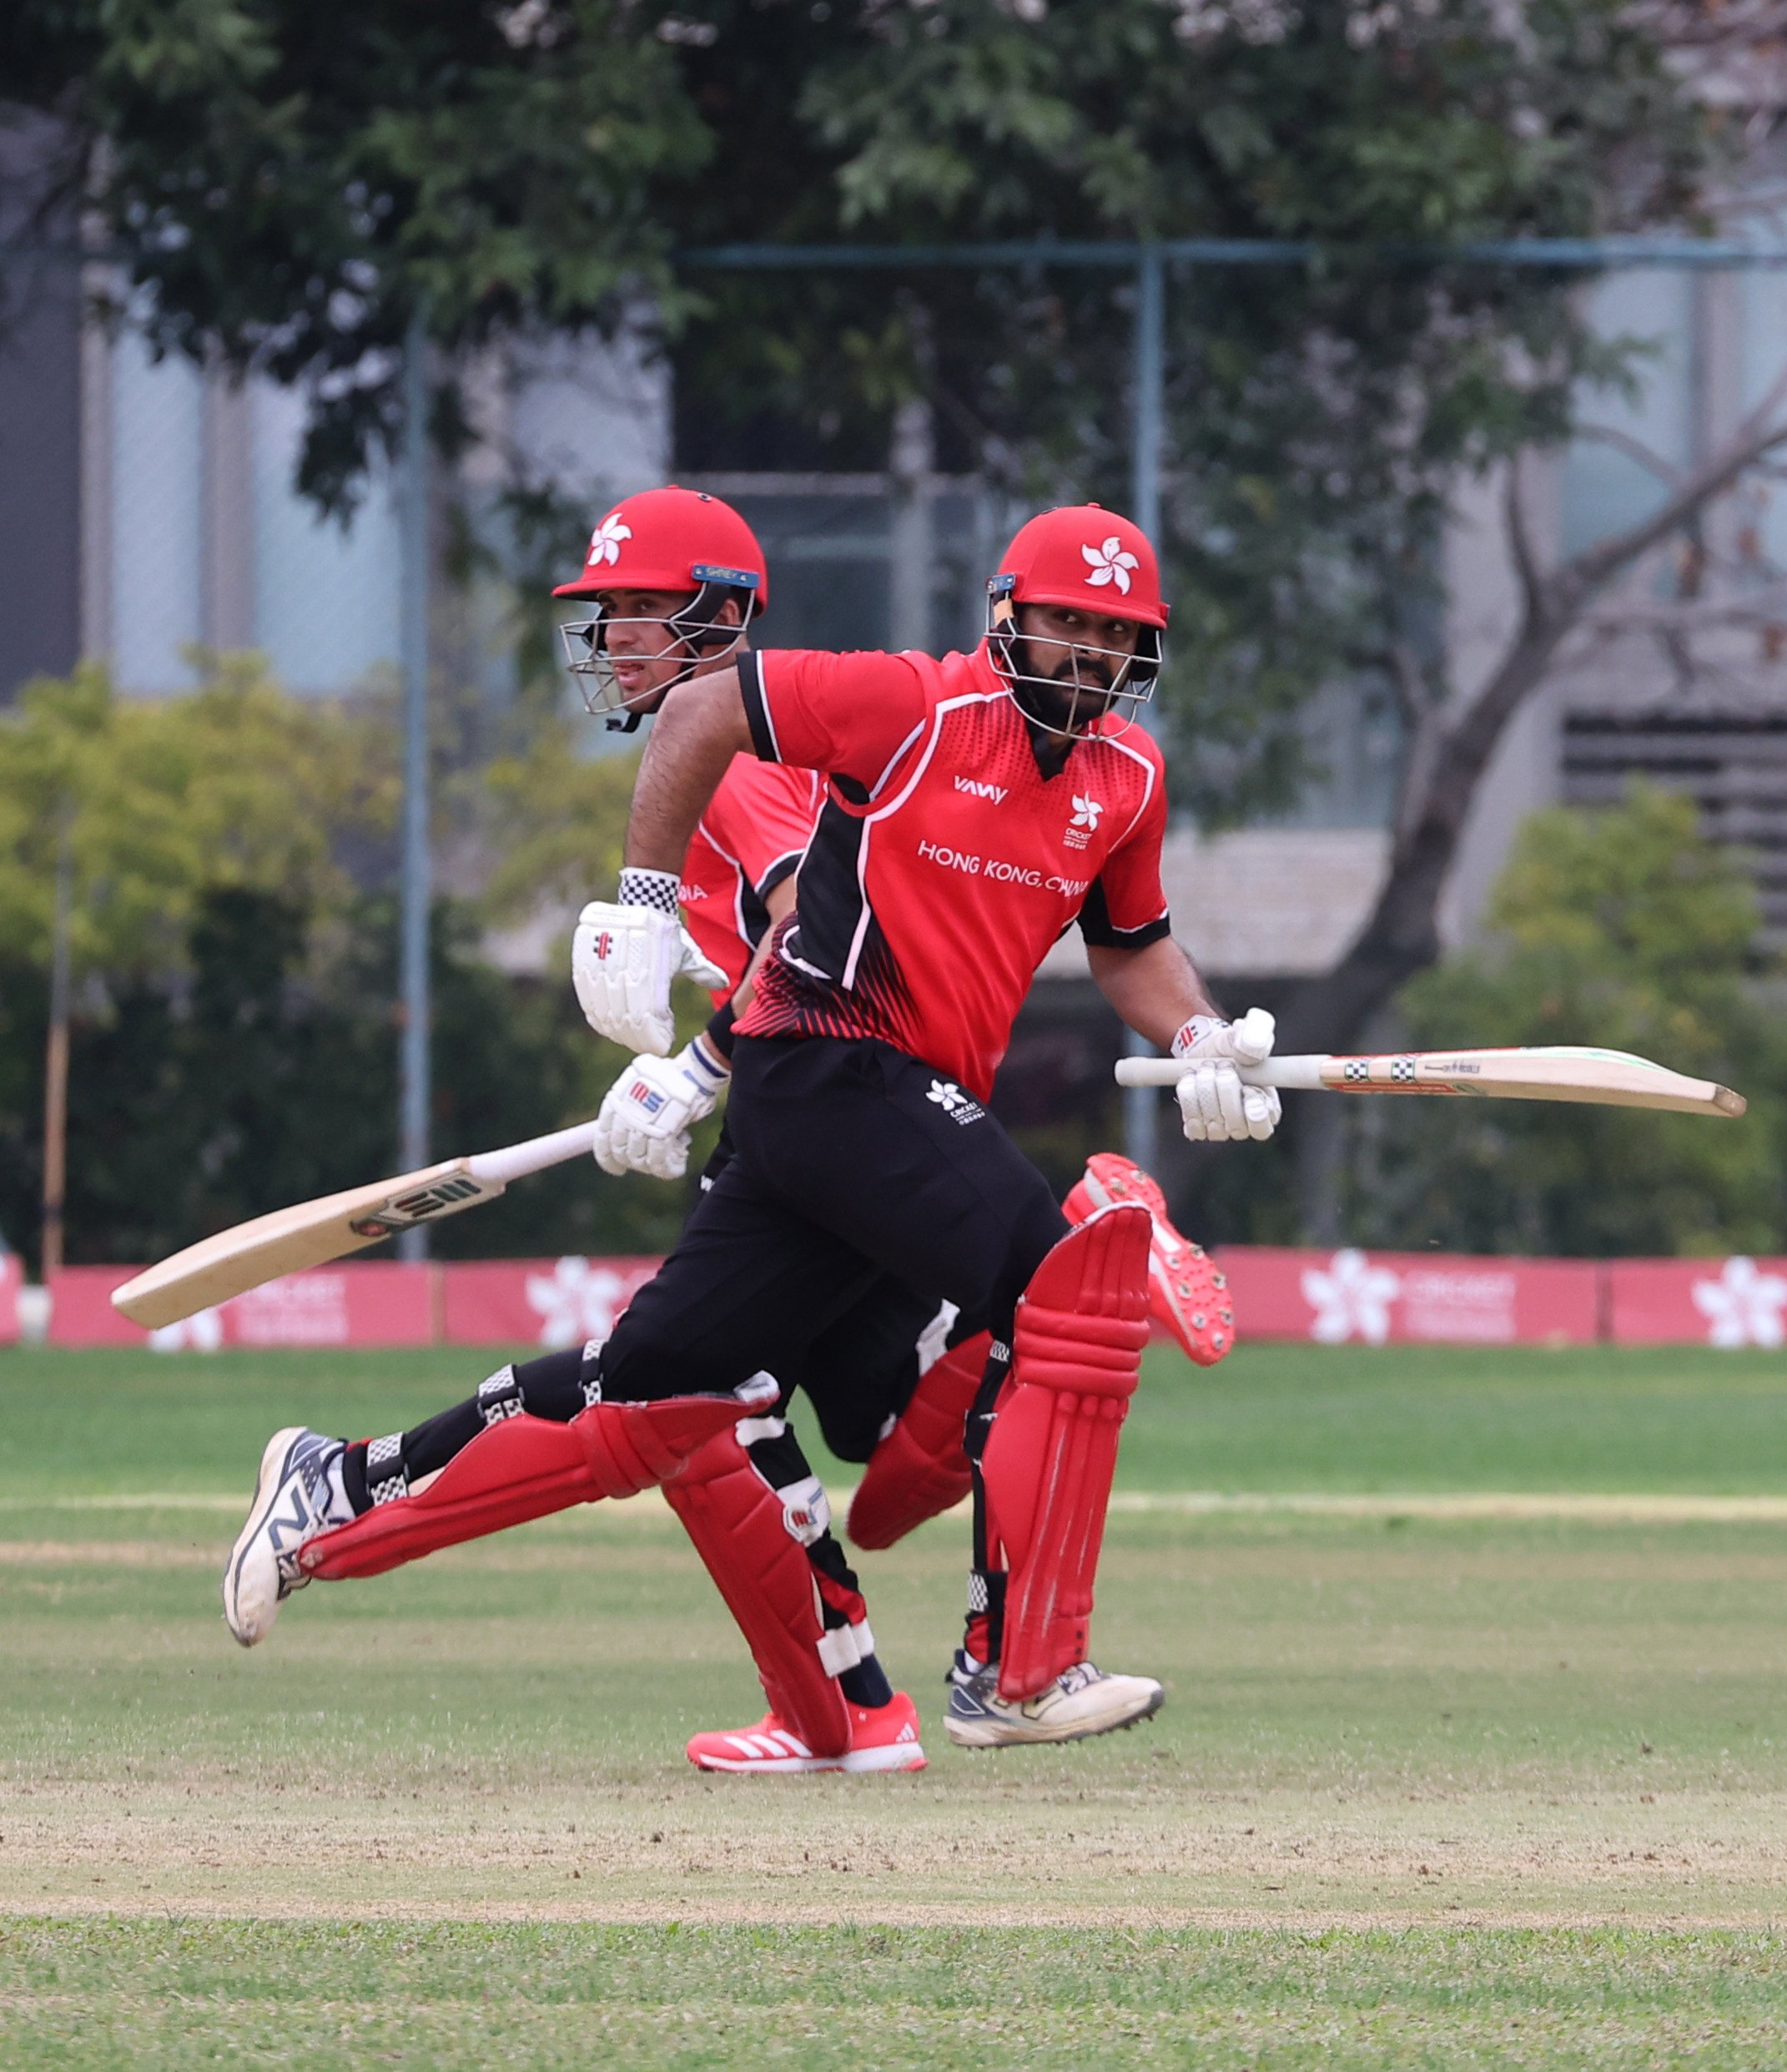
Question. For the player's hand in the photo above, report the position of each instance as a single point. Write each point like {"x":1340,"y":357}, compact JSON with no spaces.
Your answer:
{"x":1215,"y":1106}
{"x":623,"y":955}
{"x":643,"y":1126}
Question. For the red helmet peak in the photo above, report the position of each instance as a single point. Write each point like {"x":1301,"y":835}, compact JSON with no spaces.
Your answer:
{"x":1085,"y":555}
{"x":673,"y":539}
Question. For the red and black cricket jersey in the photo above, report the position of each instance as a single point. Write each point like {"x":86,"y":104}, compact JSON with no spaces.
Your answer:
{"x":750,"y":838}
{"x":944,"y":863}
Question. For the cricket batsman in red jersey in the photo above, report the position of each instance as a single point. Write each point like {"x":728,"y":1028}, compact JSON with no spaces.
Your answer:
{"x":975,"y":808}
{"x":747,"y":1496}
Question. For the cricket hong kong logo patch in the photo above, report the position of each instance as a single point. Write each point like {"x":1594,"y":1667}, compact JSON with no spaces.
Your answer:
{"x":1110,"y":563}
{"x":605,"y":542}
{"x":1084,"y":825}
{"x":959,"y":1106}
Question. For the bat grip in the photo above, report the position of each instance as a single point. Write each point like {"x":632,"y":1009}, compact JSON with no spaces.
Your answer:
{"x":515,"y":1161}
{"x":1303,"y":1074}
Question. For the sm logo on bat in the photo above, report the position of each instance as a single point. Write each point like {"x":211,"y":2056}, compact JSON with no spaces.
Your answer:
{"x":416,"y":1207}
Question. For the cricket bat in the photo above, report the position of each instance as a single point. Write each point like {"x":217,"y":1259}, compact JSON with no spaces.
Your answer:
{"x":1563,"y":1071}
{"x":314,"y":1233}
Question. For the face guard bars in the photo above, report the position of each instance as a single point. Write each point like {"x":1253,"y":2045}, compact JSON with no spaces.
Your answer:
{"x":696,"y":627}
{"x":1133,"y":676}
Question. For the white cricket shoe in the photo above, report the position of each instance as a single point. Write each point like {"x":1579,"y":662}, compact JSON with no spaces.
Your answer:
{"x":1081,"y":1701}
{"x":297,"y":1494}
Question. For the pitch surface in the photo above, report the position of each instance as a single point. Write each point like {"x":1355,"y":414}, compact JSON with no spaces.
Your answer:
{"x":1442,"y":1778}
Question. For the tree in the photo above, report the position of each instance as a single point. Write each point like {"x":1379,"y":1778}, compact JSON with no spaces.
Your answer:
{"x":1621,"y":928}
{"x":236,"y":785}
{"x":292,"y":184}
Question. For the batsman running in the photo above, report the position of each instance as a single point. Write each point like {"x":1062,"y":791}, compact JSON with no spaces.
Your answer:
{"x":747,"y":1497}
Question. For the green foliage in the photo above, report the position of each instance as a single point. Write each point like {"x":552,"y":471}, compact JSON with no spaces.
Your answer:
{"x":234,"y":1043}
{"x":1316,"y":418}
{"x":236,"y":786}
{"x":558,"y":822}
{"x":263,"y":1071}
{"x":296,"y":181}
{"x":1623,"y":928}
{"x":293,"y":184}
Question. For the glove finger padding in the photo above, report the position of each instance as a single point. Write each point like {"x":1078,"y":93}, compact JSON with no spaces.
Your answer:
{"x":1231,"y":1101}
{"x":1251,"y":1038}
{"x":1263,"y":1108}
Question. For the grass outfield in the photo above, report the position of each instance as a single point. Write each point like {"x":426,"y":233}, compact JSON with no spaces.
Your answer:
{"x":1443,"y":1779}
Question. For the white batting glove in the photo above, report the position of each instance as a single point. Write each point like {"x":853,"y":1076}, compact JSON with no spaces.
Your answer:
{"x":644,"y":1123}
{"x":1215,"y":1105}
{"x":624,"y":954}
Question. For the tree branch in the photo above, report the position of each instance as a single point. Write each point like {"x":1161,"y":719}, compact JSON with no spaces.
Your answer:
{"x":1520,"y":538}
{"x":1758,"y":434}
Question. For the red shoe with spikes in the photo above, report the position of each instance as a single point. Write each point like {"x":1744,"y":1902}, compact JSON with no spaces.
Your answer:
{"x":1187,"y":1294}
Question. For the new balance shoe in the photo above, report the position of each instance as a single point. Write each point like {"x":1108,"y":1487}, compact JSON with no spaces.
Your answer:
{"x":882,"y":1738}
{"x":1187,"y":1295}
{"x":1081,"y":1701}
{"x":297,"y":1494}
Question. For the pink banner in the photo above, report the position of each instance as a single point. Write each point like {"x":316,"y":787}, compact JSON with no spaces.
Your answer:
{"x":1726,"y":1302}
{"x":1411,"y":1297}
{"x":12,"y":1277}
{"x":372,"y":1303}
{"x":548,"y":1302}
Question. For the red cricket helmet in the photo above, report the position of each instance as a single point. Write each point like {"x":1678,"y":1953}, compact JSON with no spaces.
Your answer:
{"x":1083,"y":557}
{"x":1083,"y":554}
{"x":671,"y":539}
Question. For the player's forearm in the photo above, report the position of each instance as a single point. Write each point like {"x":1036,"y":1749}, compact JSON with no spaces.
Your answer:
{"x":699,"y":729}
{"x":1155,"y":991}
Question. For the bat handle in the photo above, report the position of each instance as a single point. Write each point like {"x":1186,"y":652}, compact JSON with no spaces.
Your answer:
{"x":515,"y":1161}
{"x":1303,"y":1074}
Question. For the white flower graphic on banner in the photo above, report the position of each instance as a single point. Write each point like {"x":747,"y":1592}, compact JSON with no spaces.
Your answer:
{"x":203,"y":1332}
{"x":1743,"y":1306}
{"x":1110,"y":563}
{"x":605,"y":542}
{"x":1352,"y":1298}
{"x":577,"y":1303}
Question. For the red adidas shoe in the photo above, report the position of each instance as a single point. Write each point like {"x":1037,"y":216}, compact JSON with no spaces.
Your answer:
{"x":1186,"y":1295}
{"x":882,"y":1738}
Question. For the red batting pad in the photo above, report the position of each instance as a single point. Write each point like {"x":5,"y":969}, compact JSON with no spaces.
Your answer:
{"x":1049,"y":1460}
{"x":523,"y":1468}
{"x":735,"y":1519}
{"x":919,"y":1470}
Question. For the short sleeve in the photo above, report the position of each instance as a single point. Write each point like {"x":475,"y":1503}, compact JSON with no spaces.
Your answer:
{"x":848,"y":715}
{"x":762,"y":817}
{"x":1126,"y":907}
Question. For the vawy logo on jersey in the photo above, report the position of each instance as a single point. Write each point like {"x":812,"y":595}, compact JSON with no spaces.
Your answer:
{"x":976,"y":789}
{"x":1084,"y":825}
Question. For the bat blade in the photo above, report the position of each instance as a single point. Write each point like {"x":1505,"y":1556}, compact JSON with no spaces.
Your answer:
{"x":310,"y":1233}
{"x":1566,"y":1072}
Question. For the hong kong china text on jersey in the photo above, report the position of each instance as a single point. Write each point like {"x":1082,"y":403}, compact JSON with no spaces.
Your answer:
{"x":996,"y":870}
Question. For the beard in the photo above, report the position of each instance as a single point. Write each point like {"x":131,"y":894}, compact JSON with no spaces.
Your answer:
{"x":1071,"y":696}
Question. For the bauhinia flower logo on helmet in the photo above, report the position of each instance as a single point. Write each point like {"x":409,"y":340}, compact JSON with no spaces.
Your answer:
{"x":1110,"y":563}
{"x":605,"y":542}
